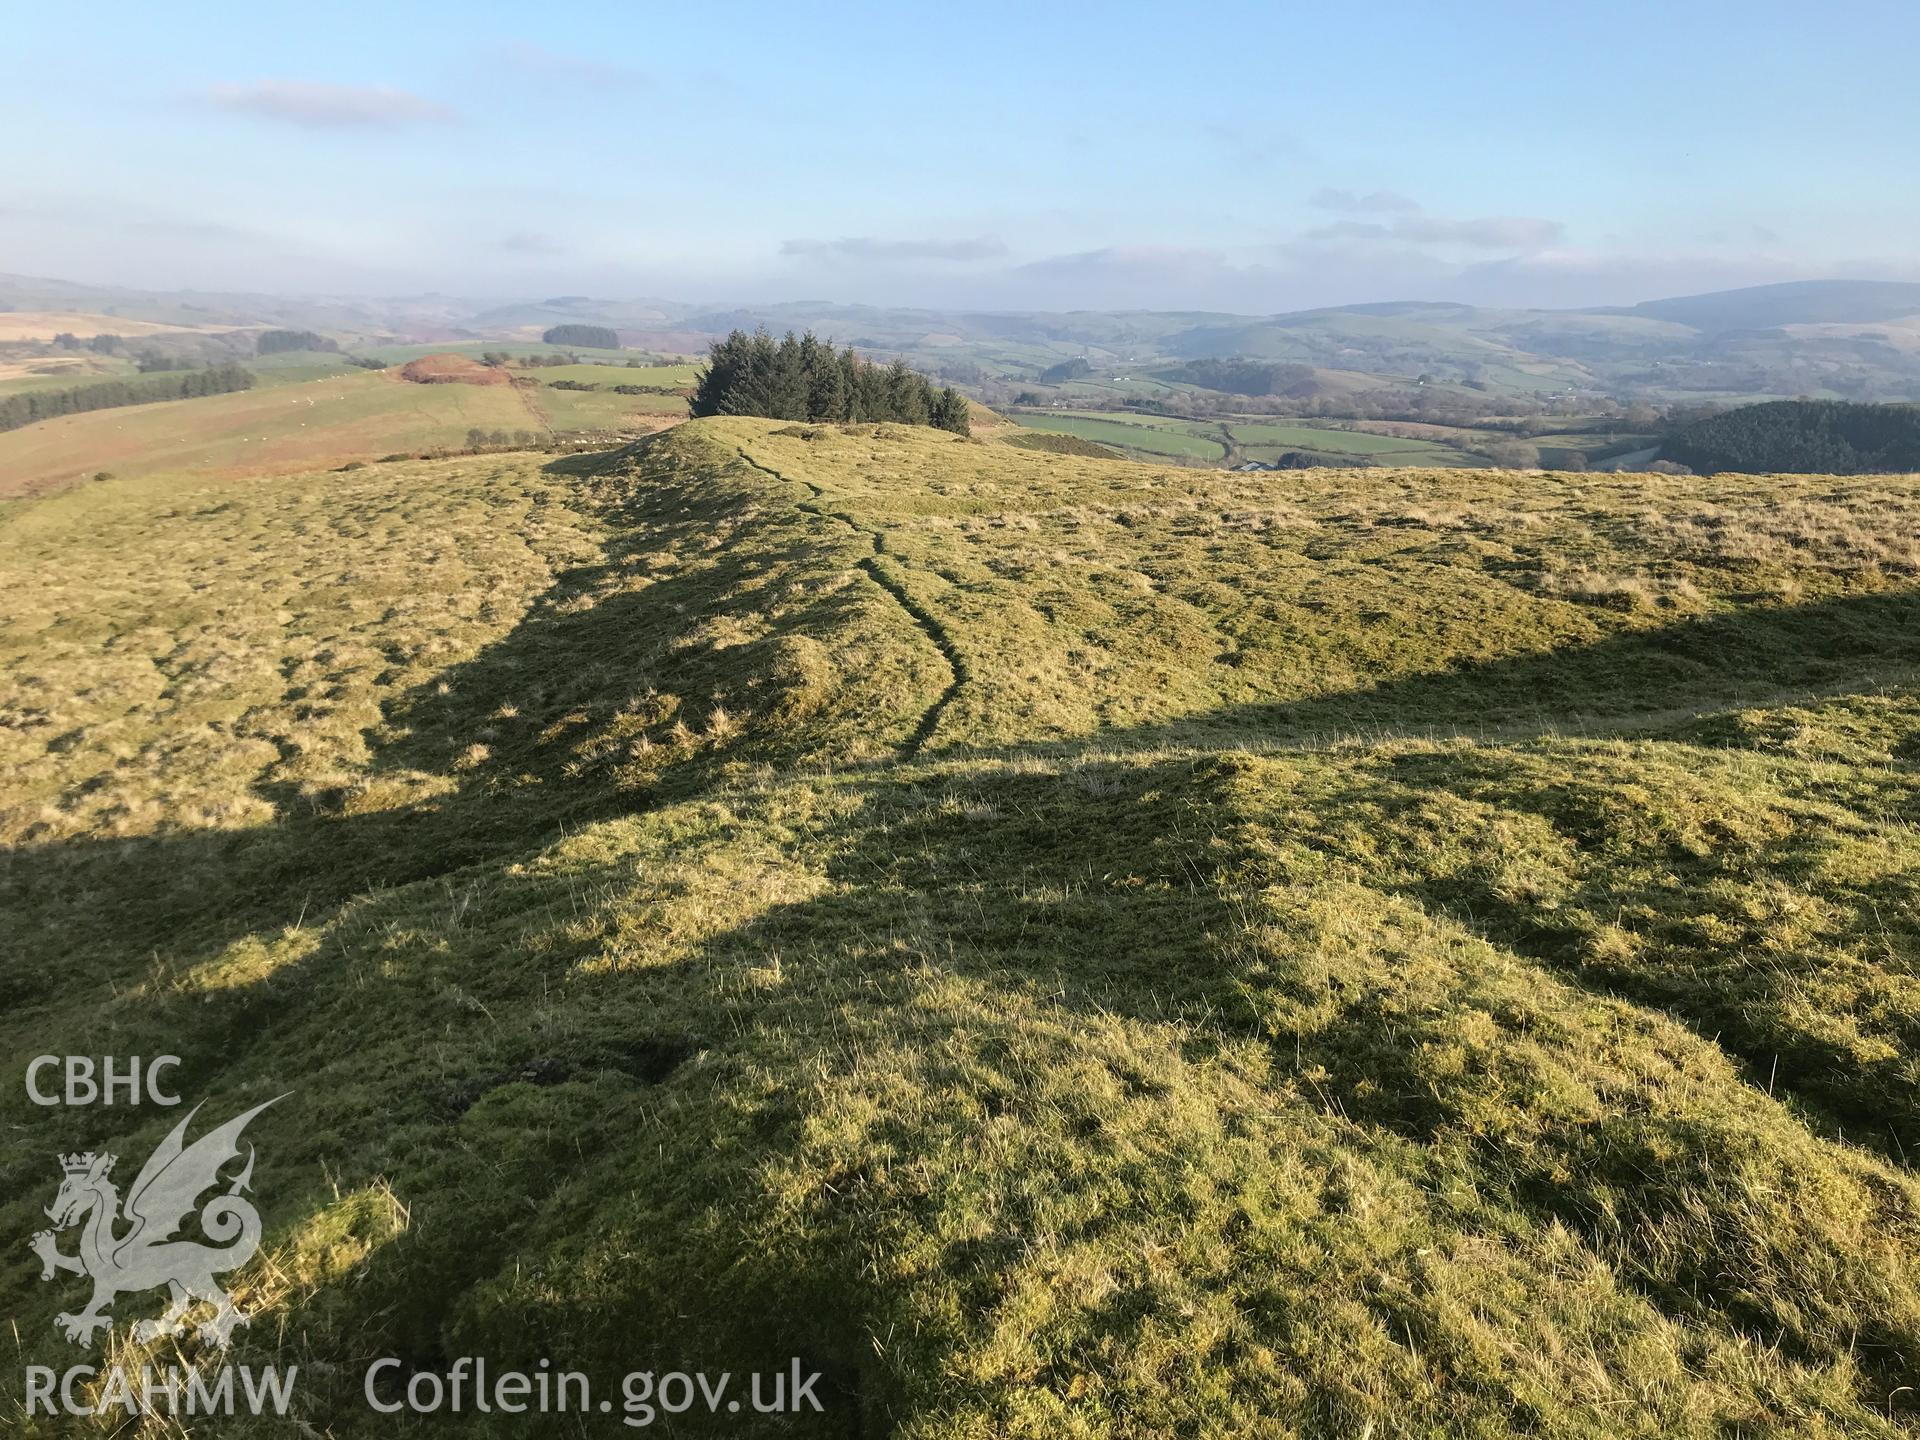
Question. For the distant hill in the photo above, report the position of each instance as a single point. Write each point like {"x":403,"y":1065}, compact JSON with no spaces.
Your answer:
{"x":420,"y":316}
{"x":1243,"y":377}
{"x":530,"y":319}
{"x":1832,"y":339}
{"x":1803,"y":302}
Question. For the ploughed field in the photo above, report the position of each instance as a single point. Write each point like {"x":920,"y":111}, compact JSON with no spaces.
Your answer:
{"x":1067,"y":947}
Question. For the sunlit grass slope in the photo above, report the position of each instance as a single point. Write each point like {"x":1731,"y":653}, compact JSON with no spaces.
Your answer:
{"x":306,"y":413}
{"x":1069,"y":948}
{"x":271,"y":429}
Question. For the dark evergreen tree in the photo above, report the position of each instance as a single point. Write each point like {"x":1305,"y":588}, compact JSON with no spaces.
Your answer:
{"x":593,"y":337}
{"x":907,"y":395}
{"x":1822,"y":437}
{"x":802,"y":378}
{"x":827,"y":397}
{"x":848,"y":364}
{"x":1074,"y":369}
{"x":787,"y":381}
{"x":274,"y":342}
{"x":950,"y":411}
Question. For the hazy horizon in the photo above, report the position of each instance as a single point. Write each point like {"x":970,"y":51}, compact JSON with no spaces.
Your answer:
{"x":716,"y":303}
{"x":1000,"y":160}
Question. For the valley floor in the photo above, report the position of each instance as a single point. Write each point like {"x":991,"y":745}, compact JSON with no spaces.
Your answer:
{"x":1063,"y":947}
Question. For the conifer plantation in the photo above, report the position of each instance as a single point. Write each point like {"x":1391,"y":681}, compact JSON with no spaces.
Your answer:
{"x":25,"y":407}
{"x":804,"y":378}
{"x":1811,"y":436}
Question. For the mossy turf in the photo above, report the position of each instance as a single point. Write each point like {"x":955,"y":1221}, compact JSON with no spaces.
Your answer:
{"x":1068,"y":948}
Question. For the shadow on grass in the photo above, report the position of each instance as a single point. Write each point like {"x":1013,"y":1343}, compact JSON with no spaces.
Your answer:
{"x":459,"y":1042}
{"x":587,"y":667}
{"x":1624,"y":684}
{"x":612,"y":692}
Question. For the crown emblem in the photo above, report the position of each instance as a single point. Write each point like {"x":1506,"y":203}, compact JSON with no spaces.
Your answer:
{"x":166,"y":1194}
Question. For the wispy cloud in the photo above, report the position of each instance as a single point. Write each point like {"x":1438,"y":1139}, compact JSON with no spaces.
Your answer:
{"x":538,"y":61}
{"x":1113,"y":273}
{"x":1136,"y":258}
{"x":1494,"y":232}
{"x":531,"y":242}
{"x":1374,"y":202}
{"x":130,"y":218}
{"x":323,"y":106}
{"x":866,"y":248}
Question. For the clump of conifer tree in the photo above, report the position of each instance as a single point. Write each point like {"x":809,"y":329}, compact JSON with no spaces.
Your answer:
{"x":803,"y":378}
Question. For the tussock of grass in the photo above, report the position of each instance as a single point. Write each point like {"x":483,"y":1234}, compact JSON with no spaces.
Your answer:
{"x":1072,"y":948}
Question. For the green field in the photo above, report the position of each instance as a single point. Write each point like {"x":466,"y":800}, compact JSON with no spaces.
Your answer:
{"x":294,"y":367}
{"x":1316,"y":437}
{"x":1071,"y":948}
{"x":1256,"y":439}
{"x":1134,"y":417}
{"x":669,"y":377}
{"x":400,"y":354}
{"x":1117,"y":390}
{"x":1146,"y":438}
{"x":566,"y":410}
{"x":286,"y":368}
{"x":1206,"y":439}
{"x":15,"y":382}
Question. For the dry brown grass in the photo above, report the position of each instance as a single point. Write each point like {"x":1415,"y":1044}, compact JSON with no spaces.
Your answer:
{"x":45,"y":324}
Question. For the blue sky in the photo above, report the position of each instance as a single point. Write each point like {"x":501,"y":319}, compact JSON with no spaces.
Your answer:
{"x":1244,"y":157}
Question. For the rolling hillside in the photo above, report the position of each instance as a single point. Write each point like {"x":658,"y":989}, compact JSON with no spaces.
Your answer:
{"x":1837,"y":339}
{"x":1805,"y":302}
{"x":1066,"y":947}
{"x":337,"y":418}
{"x":360,"y":416}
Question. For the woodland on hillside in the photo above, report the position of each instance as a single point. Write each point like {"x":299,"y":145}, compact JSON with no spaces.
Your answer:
{"x":804,"y":378}
{"x":1816,"y":437}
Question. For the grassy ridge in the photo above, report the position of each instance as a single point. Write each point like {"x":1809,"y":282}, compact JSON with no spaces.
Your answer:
{"x":1072,"y":948}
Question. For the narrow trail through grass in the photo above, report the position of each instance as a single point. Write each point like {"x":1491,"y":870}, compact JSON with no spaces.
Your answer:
{"x":530,"y":402}
{"x":872,"y":565}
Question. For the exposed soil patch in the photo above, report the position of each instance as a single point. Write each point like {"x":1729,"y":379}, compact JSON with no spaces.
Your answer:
{"x":451,"y":369}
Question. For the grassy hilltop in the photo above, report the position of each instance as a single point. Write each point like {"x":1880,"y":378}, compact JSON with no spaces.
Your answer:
{"x":1068,"y":947}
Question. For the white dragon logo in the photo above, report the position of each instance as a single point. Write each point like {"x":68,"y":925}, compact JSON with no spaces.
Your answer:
{"x":147,"y":1256}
